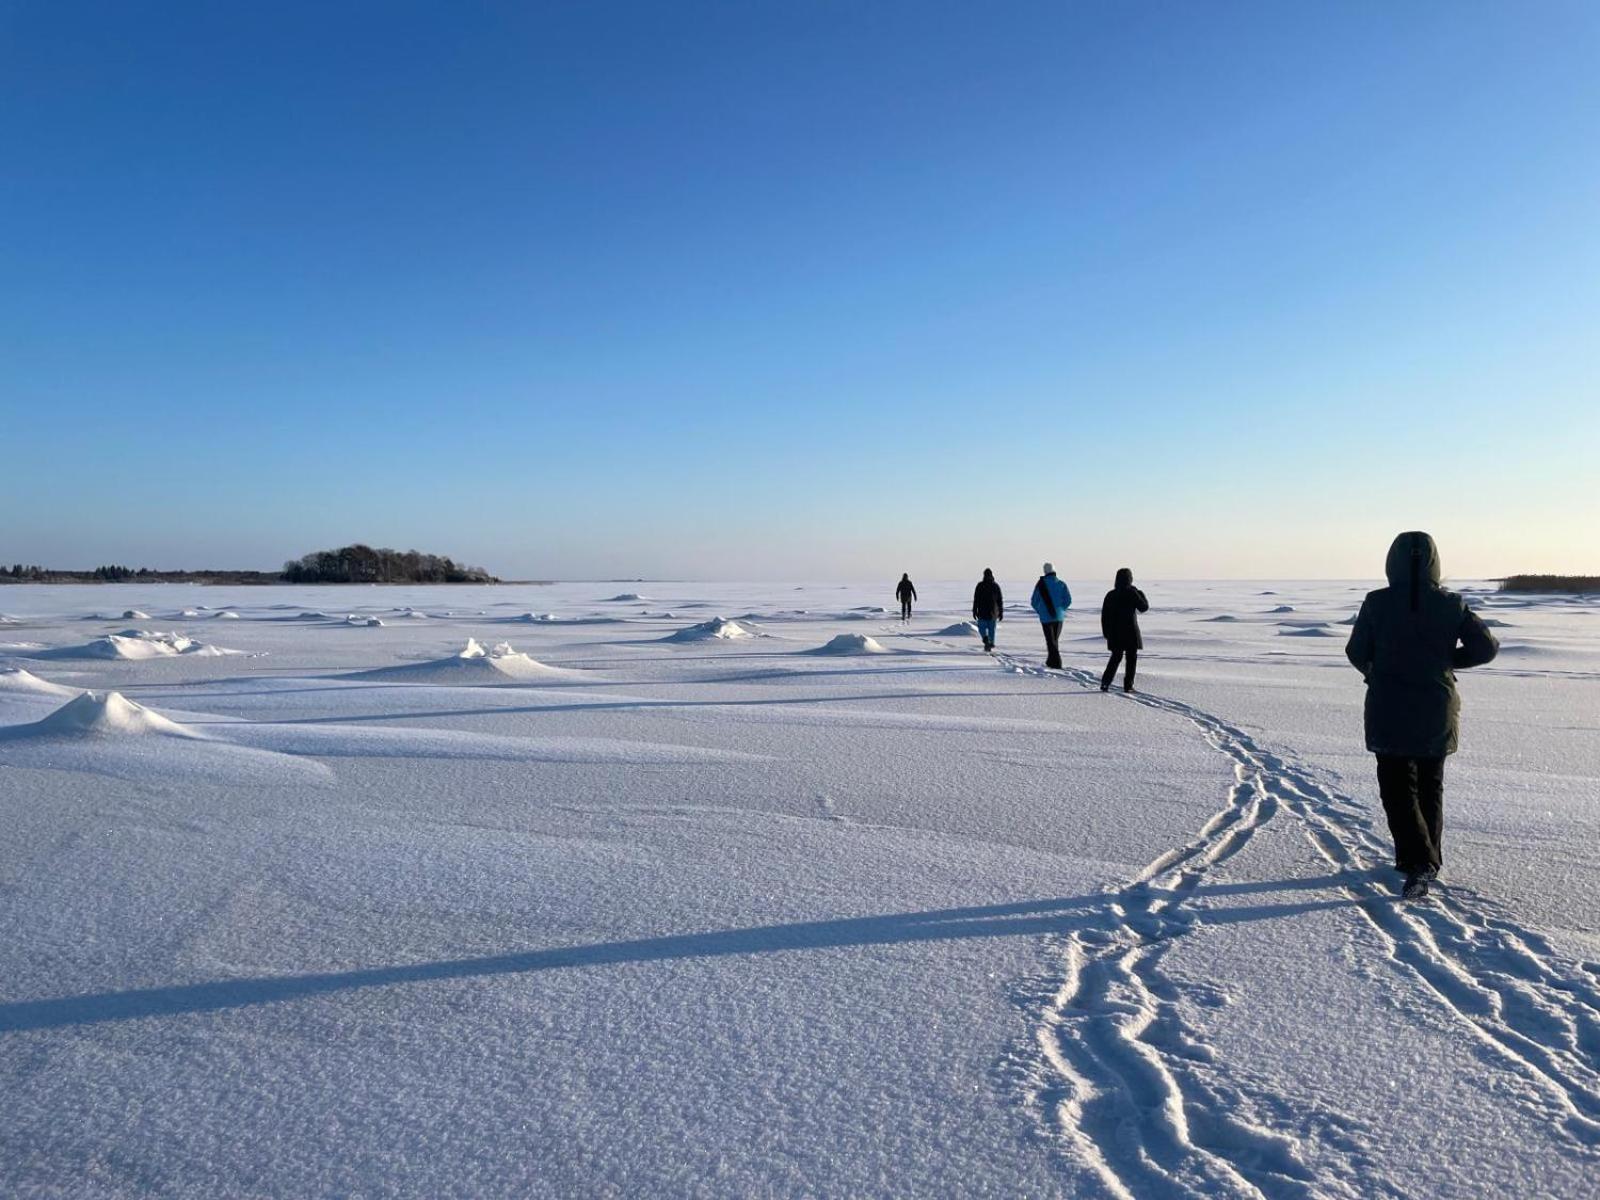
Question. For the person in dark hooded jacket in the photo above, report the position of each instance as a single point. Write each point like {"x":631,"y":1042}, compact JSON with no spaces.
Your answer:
{"x":1119,"y":623}
{"x":988,"y":608}
{"x":1409,"y":640}
{"x":905,"y":591}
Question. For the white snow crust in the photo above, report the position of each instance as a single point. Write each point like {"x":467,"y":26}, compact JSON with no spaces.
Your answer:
{"x":740,"y":921}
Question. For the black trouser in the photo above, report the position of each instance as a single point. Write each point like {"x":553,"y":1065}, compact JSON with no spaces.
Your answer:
{"x":1413,"y":800}
{"x":905,"y":610}
{"x":1052,"y":643}
{"x":1116,"y":661}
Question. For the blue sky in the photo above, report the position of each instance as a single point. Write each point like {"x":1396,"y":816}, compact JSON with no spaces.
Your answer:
{"x":802,"y":290}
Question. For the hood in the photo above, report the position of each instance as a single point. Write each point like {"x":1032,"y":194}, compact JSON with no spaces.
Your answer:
{"x":1124,"y":577}
{"x":988,"y":575}
{"x":1412,"y":564}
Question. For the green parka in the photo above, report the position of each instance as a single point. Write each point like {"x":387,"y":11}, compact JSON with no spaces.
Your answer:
{"x":1409,"y":640}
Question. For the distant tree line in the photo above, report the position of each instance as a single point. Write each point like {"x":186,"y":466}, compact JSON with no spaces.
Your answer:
{"x":363,"y":564}
{"x":1550,"y":583}
{"x":348,"y":564}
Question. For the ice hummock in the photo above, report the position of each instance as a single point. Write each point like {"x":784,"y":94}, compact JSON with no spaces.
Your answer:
{"x":717,"y":629}
{"x":18,"y":679}
{"x":108,"y":714}
{"x":474,"y":663}
{"x":851,"y":643}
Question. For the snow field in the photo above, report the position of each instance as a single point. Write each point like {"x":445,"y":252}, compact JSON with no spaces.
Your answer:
{"x":390,"y":910}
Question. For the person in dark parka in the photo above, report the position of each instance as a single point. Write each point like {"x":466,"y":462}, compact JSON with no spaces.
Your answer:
{"x":1409,"y":640}
{"x":905,"y":591}
{"x":1119,"y":622}
{"x":988,"y":608}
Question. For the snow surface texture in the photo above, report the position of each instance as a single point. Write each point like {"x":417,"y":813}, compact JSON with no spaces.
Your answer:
{"x":647,"y":918}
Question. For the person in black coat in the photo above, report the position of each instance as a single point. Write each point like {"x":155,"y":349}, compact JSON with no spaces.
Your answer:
{"x":1408,"y":642}
{"x":905,"y":591}
{"x":988,"y":608}
{"x":1119,"y":623}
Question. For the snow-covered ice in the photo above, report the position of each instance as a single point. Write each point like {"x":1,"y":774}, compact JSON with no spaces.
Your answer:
{"x":387,"y":907}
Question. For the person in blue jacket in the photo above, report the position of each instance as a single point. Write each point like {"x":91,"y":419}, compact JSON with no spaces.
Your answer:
{"x":1051,"y":599}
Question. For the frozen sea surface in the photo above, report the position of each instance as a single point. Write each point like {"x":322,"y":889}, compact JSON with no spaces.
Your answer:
{"x":613,"y":900}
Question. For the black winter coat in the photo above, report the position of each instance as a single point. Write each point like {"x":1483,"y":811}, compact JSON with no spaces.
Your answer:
{"x":987,"y":602}
{"x":905,"y":590}
{"x":1409,"y":640}
{"x":1119,"y":617}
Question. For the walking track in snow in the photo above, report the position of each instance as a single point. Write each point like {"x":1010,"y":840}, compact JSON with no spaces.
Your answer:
{"x":1129,"y":1090}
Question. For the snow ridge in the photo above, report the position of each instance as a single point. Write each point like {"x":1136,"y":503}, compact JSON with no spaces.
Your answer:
{"x":1134,"y":1095}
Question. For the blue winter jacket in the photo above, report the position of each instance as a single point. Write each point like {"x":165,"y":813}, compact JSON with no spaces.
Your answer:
{"x":1051,"y":599}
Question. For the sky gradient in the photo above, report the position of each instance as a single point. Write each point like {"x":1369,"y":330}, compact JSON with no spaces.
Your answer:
{"x":817,"y":290}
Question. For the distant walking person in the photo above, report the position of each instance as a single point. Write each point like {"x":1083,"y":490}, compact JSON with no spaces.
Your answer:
{"x":1409,"y":640}
{"x":905,"y":591}
{"x":988,"y":608}
{"x":1119,"y":622}
{"x":1051,"y":599}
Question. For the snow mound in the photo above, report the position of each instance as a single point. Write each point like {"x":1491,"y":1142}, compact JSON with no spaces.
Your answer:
{"x":136,"y":645}
{"x":312,"y":615}
{"x":1313,"y":631}
{"x":133,"y":614}
{"x":474,"y":664}
{"x":1222,"y":617}
{"x":226,"y":614}
{"x":1497,"y":623}
{"x":7,"y":620}
{"x":132,"y":645}
{"x":15,"y":679}
{"x":625,"y":598}
{"x":536,"y":618}
{"x":959,"y":629}
{"x":107,"y":714}
{"x":1282,"y":608}
{"x":851,"y":643}
{"x":189,"y":613}
{"x":717,"y":629}
{"x":367,"y":622}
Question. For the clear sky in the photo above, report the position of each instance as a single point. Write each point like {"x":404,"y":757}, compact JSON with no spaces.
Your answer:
{"x":803,"y":289}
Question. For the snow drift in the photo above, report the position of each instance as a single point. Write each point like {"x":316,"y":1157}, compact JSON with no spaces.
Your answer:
{"x":851,"y":643}
{"x":959,"y":629}
{"x":104,"y":714}
{"x":135,"y":645}
{"x":16,"y":679}
{"x":474,"y":664}
{"x":718,"y":629}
